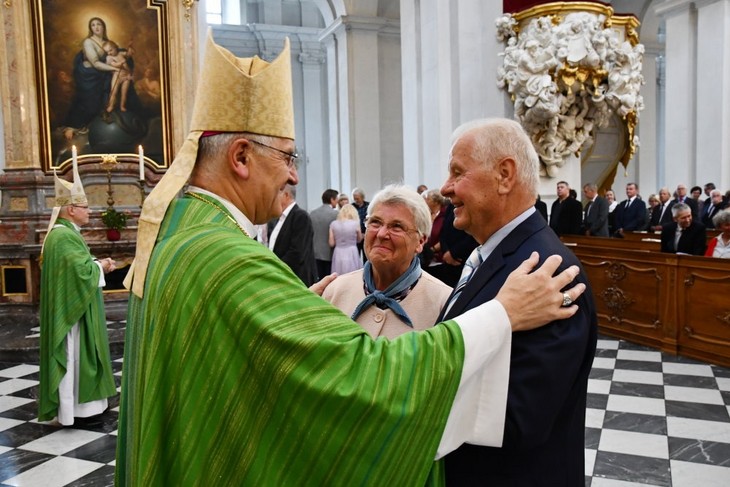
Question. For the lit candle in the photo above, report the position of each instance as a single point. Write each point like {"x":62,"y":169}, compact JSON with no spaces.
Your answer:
{"x":74,"y":155}
{"x":141,"y":163}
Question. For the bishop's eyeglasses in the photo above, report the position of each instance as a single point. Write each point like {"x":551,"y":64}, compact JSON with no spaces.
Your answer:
{"x":292,"y":158}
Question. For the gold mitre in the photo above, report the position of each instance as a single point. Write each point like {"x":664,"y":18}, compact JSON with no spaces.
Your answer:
{"x":244,"y":94}
{"x":69,"y":193}
{"x":66,"y":194}
{"x":233,"y":95}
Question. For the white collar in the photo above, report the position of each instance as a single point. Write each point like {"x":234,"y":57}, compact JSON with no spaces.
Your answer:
{"x":238,"y":215}
{"x":287,"y":210}
{"x":497,"y":237}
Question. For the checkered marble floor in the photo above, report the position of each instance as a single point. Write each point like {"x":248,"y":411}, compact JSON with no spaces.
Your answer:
{"x":37,"y":454}
{"x":652,"y":420}
{"x":656,"y":419}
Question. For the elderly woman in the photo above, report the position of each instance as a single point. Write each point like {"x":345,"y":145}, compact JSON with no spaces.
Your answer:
{"x":391,"y":295}
{"x":720,"y":246}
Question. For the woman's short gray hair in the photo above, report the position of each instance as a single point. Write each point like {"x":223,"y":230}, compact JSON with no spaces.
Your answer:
{"x":397,"y":194}
{"x":721,"y":218}
{"x":434,"y":196}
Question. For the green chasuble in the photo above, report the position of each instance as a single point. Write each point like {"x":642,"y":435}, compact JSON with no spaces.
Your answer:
{"x":236,"y":374}
{"x":70,"y":294}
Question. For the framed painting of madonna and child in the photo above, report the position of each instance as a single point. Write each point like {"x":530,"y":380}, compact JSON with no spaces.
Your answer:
{"x":102,"y":79}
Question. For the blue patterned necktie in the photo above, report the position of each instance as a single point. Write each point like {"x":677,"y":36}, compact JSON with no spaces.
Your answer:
{"x":471,"y":264}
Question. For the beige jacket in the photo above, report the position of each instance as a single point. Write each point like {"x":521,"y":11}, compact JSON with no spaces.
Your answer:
{"x":422,"y":304}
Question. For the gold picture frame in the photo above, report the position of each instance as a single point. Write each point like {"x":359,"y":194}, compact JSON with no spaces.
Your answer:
{"x":102,"y":69}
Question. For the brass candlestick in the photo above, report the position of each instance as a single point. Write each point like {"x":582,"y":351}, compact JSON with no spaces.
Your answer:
{"x":142,"y":194}
{"x":108,"y":161}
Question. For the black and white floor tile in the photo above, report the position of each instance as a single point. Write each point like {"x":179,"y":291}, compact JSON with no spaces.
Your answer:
{"x":652,"y":420}
{"x":37,"y":454}
{"x":656,"y":420}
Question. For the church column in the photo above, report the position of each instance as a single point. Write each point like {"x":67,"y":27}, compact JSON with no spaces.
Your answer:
{"x":335,"y":41}
{"x":649,"y":158}
{"x":18,"y":88}
{"x":477,"y":90}
{"x":365,"y":93}
{"x":680,"y":127}
{"x":427,"y":89}
{"x":712,"y":159}
{"x":312,"y":138}
{"x":449,"y":61}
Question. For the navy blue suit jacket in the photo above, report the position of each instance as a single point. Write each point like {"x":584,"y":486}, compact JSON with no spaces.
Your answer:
{"x":633,"y":218}
{"x":549,"y":367}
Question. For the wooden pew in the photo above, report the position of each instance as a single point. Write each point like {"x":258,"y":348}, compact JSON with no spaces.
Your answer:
{"x":677,"y":303}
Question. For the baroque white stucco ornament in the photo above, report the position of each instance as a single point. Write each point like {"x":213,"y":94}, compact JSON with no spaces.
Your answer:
{"x":567,"y":74}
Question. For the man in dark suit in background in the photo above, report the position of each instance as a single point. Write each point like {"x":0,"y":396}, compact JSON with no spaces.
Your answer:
{"x":543,"y":442}
{"x":595,"y":221}
{"x":358,"y":201}
{"x":631,"y":213}
{"x":566,"y":214}
{"x":715,"y":204}
{"x":321,"y":217}
{"x":662,"y":213}
{"x":683,"y":235}
{"x":291,"y":237}
{"x":683,"y":198}
{"x":707,"y":190}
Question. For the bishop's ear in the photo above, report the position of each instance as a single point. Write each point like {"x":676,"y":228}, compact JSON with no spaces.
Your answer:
{"x":239,"y":155}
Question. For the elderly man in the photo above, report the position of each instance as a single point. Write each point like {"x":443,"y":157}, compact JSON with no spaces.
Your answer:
{"x":236,"y":373}
{"x":76,"y":370}
{"x":391,"y":295}
{"x":493,"y":178}
{"x":716,"y":204}
{"x":687,"y":200}
{"x":683,"y":235}
{"x":662,"y":213}
{"x":595,"y":222}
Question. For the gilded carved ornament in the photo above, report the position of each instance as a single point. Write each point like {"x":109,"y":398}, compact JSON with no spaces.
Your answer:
{"x":187,"y":4}
{"x":568,"y":66}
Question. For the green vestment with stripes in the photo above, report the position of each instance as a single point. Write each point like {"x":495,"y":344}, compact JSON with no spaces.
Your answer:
{"x":237,"y":374}
{"x":70,"y":294}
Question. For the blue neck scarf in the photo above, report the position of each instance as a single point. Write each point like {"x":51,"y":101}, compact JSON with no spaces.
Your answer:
{"x":389,"y":298}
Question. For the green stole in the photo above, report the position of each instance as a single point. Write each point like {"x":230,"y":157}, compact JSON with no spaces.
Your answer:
{"x":70,"y":294}
{"x":236,"y":374}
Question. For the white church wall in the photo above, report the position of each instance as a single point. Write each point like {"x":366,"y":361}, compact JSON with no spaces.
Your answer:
{"x":712,"y":158}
